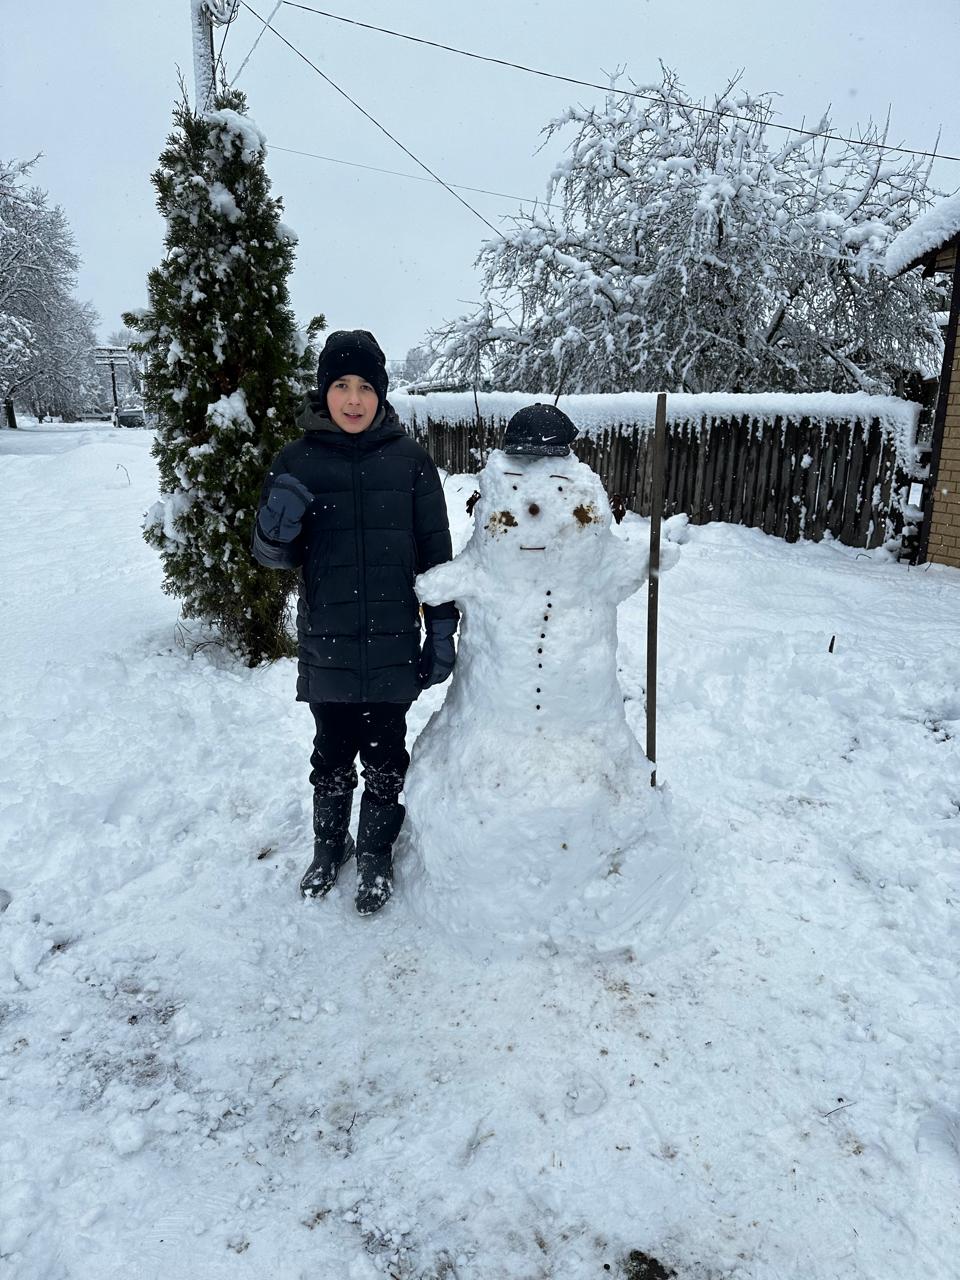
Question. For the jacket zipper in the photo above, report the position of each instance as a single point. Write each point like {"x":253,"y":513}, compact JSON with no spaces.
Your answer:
{"x":361,"y":572}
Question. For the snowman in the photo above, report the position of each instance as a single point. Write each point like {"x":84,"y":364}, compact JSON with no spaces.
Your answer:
{"x":528,"y":797}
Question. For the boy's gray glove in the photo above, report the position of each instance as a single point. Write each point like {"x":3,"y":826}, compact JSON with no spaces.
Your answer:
{"x":438,"y":654}
{"x":281,"y":514}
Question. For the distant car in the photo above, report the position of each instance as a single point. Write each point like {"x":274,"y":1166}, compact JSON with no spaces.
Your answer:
{"x":130,"y":418}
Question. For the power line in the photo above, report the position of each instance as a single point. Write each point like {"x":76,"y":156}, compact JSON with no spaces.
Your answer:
{"x":211,"y":92}
{"x":434,"y":178}
{"x":414,"y":177}
{"x":212,"y":89}
{"x":372,"y":120}
{"x":543,"y":204}
{"x":606,"y":88}
{"x":273,"y":13}
{"x":219,"y":62}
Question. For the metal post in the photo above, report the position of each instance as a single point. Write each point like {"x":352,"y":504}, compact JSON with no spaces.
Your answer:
{"x":653,"y":588}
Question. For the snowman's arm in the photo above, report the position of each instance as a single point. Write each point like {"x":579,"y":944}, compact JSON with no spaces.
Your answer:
{"x":627,"y":565}
{"x":630,"y":564}
{"x":454,"y":580}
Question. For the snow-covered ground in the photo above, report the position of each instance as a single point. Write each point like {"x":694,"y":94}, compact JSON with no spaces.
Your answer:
{"x":203,"y":1076}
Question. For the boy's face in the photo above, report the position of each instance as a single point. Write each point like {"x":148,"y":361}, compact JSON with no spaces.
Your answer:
{"x":352,"y":403}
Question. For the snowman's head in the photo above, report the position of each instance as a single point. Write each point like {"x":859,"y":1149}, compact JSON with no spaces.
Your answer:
{"x":534,"y":511}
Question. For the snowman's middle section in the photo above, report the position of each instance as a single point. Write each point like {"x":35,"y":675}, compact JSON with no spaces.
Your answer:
{"x":555,"y":670}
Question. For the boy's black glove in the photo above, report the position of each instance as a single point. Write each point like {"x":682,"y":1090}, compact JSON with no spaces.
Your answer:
{"x":281,"y":514}
{"x":438,"y":654}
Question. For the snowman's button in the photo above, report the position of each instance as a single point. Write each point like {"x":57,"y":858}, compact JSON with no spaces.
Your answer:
{"x":539,"y":651}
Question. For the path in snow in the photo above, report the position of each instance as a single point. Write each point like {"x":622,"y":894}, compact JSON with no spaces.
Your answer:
{"x":204,"y":1076}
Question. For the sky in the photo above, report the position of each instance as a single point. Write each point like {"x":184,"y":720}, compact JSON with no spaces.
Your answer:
{"x":92,"y":87}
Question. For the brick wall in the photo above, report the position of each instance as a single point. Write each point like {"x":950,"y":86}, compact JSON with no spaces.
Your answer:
{"x":944,"y":543}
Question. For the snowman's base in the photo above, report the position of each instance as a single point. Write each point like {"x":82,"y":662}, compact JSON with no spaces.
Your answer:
{"x":553,"y":875}
{"x":523,"y":832}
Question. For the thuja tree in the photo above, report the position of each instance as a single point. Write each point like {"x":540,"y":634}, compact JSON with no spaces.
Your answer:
{"x":691,"y":246}
{"x":224,"y":367}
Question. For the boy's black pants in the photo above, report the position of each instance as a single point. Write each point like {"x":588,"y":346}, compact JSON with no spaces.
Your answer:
{"x":376,"y":731}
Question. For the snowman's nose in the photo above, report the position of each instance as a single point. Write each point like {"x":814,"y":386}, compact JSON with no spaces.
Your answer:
{"x":533,"y":509}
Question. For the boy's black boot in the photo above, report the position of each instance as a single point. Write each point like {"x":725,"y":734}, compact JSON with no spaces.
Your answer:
{"x":332,"y":843}
{"x":379,"y":827}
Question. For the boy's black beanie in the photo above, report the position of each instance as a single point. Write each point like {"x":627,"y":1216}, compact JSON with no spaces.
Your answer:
{"x":352,"y":351}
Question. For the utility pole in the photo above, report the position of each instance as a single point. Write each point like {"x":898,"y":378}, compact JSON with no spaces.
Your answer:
{"x":113,"y":356}
{"x":204,"y":15}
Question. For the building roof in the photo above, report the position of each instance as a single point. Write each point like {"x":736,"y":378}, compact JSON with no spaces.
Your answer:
{"x":930,"y":232}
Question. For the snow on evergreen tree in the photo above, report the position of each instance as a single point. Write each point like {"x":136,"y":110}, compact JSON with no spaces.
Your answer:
{"x":224,"y":369}
{"x":694,"y":250}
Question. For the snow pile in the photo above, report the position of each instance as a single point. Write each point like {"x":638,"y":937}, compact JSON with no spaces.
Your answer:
{"x":930,"y":231}
{"x":594,"y":414}
{"x":203,"y":1076}
{"x":559,"y":832}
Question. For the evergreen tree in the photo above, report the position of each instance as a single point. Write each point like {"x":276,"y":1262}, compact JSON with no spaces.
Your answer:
{"x":224,"y":368}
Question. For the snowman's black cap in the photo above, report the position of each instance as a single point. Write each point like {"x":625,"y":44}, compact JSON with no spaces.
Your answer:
{"x":540,"y":431}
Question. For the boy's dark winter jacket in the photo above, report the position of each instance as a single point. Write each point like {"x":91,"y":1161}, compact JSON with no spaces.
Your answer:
{"x":374,"y":518}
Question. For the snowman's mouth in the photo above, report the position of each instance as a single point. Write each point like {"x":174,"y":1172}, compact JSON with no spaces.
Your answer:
{"x":533,"y":548}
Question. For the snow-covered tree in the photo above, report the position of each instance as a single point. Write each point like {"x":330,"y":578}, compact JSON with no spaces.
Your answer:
{"x":416,"y":365}
{"x":46,"y":335}
{"x":690,"y":246}
{"x":224,"y":369}
{"x":66,"y":382}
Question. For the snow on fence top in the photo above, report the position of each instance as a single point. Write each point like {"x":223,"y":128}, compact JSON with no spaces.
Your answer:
{"x":930,"y":231}
{"x":594,"y":414}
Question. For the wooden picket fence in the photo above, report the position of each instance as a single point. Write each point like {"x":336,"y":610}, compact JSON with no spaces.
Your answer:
{"x":791,"y":478}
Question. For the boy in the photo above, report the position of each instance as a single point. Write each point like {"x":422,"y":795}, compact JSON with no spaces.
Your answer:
{"x":357,"y":506}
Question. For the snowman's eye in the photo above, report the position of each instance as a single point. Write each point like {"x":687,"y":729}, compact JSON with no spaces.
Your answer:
{"x":514,"y":486}
{"x":559,"y":488}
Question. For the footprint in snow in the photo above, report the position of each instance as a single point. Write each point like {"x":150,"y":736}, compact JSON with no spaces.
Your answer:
{"x":585,"y":1096}
{"x":938,"y":1134}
